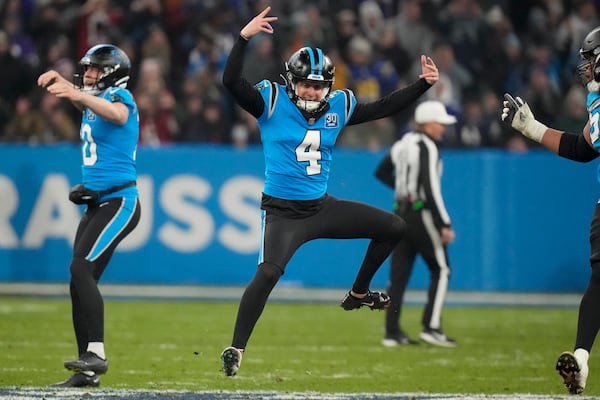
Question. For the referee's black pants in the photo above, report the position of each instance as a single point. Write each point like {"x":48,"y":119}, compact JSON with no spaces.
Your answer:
{"x":424,"y":239}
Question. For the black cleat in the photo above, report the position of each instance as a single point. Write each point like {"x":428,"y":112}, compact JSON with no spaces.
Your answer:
{"x":232,"y":359}
{"x":80,"y":380}
{"x":574,"y":376}
{"x":373,"y":300}
{"x":88,"y":361}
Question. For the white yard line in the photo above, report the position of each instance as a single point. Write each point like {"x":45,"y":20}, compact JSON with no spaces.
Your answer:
{"x":291,"y":294}
{"x":107,"y":394}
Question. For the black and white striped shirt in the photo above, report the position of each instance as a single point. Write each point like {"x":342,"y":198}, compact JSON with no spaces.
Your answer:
{"x":413,"y":168}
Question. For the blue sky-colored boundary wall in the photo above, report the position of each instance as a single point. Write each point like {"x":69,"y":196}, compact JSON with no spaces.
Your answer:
{"x":522,"y":220}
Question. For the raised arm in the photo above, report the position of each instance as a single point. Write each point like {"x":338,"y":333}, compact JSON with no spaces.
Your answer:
{"x":399,"y":99}
{"x":62,"y":88}
{"x":517,"y":114}
{"x":244,"y":93}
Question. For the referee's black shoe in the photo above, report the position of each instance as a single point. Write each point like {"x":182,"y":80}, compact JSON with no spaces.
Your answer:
{"x":88,"y":361}
{"x":399,"y":339}
{"x":437,"y":337}
{"x":80,"y":379}
{"x":373,"y":300}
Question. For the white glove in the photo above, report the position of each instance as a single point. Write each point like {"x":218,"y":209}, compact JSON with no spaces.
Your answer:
{"x":517,"y":113}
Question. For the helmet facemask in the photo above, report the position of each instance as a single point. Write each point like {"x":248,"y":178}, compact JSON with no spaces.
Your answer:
{"x":312,"y":66}
{"x":588,"y":71}
{"x":113,"y":64}
{"x":103,"y":81}
{"x":310,"y":106}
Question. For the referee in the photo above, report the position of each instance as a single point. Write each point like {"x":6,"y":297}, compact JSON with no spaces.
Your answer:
{"x":413,"y":168}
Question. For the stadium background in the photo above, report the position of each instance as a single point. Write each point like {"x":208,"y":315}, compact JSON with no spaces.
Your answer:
{"x":521,"y":215}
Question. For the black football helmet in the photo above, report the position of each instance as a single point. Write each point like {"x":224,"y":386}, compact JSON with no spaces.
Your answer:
{"x":588,"y":70}
{"x":111,"y":60}
{"x":309,"y":63}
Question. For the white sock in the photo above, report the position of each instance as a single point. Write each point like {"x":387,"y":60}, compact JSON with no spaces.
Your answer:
{"x":582,"y":356}
{"x":97,"y":348}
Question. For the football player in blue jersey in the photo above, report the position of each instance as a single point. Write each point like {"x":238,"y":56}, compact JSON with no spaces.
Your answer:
{"x":299,"y":123}
{"x":584,"y":147}
{"x":109,"y":133}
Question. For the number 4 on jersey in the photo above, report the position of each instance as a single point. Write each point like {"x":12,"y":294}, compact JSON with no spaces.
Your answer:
{"x":308,"y":150}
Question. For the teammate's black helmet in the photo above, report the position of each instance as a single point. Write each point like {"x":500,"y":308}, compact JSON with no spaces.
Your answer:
{"x":590,"y":52}
{"x":111,"y":60}
{"x":309,"y":63}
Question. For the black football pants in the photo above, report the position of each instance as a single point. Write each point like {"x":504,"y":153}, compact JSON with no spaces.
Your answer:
{"x":282,"y":236}
{"x":100,"y":230}
{"x":589,"y":308}
{"x":421,"y":238}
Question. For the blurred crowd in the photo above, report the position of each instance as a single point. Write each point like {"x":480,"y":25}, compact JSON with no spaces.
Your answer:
{"x":178,"y":50}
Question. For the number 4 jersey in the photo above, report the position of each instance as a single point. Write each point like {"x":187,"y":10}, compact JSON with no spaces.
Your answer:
{"x":298,"y":153}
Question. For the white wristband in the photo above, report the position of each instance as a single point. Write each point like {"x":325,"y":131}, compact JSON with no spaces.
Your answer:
{"x":535,"y":130}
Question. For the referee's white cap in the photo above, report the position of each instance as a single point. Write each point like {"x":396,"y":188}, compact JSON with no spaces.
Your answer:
{"x":433,"y":111}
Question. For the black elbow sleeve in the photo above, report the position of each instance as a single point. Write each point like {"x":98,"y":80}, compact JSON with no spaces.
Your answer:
{"x":576,"y":148}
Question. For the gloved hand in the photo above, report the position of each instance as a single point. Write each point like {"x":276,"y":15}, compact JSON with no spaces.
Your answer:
{"x":517,"y":113}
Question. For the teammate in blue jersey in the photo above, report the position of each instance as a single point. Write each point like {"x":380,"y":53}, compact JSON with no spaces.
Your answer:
{"x":109,"y":133}
{"x":299,"y":123}
{"x":585,"y":147}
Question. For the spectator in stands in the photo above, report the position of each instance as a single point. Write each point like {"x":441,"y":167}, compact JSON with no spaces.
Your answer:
{"x":156,"y":102}
{"x":497,"y":133}
{"x":484,"y":36}
{"x":370,"y":79}
{"x":371,"y":20}
{"x":262,"y":62}
{"x":96,"y":22}
{"x":59,"y":124}
{"x":346,"y":26}
{"x":204,"y":122}
{"x":580,"y":19}
{"x":455,"y":79}
{"x":497,"y":33}
{"x":156,"y":46}
{"x":140,"y":17}
{"x":463,"y":26}
{"x":206,"y":56}
{"x":21,"y":43}
{"x":27,"y":125}
{"x":413,"y":34}
{"x":573,"y":113}
{"x":17,"y":80}
{"x":246,"y":132}
{"x":542,"y":94}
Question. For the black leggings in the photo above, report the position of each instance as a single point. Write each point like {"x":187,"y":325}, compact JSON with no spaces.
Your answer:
{"x":589,"y":308}
{"x":283,"y":235}
{"x":100,"y":230}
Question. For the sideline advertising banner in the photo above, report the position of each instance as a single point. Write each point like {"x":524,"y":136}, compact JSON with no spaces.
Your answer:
{"x":522,"y":220}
